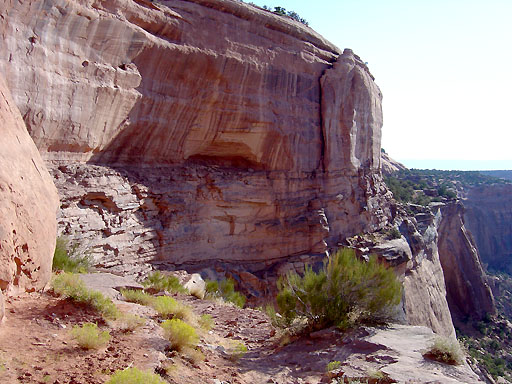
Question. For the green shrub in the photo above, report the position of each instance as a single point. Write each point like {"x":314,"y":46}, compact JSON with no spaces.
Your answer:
{"x":129,"y":322}
{"x":393,"y":233}
{"x":206,"y":322}
{"x":167,"y":308}
{"x":161,"y":282}
{"x":103,"y":305}
{"x":134,"y":376}
{"x":445,"y":350}
{"x":236,"y":350}
{"x":68,"y":258}
{"x":180,"y":334}
{"x":137,"y":296}
{"x":226,"y":290}
{"x":70,"y":286}
{"x":89,"y":336}
{"x":345,"y":290}
{"x":333,"y":365}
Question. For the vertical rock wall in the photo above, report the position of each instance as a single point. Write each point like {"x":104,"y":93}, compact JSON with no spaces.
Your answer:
{"x":211,"y":129}
{"x":469,"y":295}
{"x":28,"y":205}
{"x":488,"y":216}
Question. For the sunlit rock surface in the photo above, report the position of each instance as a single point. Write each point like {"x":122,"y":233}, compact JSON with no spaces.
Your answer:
{"x":28,"y":206}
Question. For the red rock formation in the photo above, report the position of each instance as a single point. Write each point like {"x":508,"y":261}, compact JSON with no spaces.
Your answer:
{"x":200,"y":131}
{"x":469,"y":295}
{"x":488,"y":216}
{"x":28,"y":205}
{"x":237,"y":134}
{"x":390,"y":165}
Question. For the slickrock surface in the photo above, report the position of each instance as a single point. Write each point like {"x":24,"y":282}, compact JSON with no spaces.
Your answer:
{"x":28,"y":205}
{"x":468,"y":294}
{"x":403,"y":347}
{"x":488,"y":216}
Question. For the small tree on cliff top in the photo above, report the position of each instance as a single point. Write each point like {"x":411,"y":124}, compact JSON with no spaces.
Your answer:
{"x":345,"y":291}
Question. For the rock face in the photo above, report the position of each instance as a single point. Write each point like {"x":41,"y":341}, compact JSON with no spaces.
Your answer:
{"x":196,"y":132}
{"x":389,"y":165}
{"x":469,"y":295}
{"x":28,"y":205}
{"x":2,"y":306}
{"x":424,"y":284}
{"x":254,"y":142}
{"x":488,"y":216}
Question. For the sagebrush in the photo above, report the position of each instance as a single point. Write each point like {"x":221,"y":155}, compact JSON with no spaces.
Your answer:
{"x":445,"y":350}
{"x":161,"y":282}
{"x":69,"y":257}
{"x":343,"y":292}
{"x":180,"y":334}
{"x":72,"y":287}
{"x":137,"y":296}
{"x":226,"y":290}
{"x":88,"y":336}
{"x":134,"y":376}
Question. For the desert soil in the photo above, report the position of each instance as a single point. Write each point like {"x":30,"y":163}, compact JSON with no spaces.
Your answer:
{"x":36,"y":347}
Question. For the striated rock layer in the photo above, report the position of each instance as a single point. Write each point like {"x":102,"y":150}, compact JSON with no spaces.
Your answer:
{"x":488,"y":216}
{"x":28,"y":205}
{"x":199,"y":132}
{"x":217,"y":130}
{"x":469,"y":295}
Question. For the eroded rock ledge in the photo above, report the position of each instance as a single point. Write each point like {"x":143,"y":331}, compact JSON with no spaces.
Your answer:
{"x":203,"y":131}
{"x":228,"y":132}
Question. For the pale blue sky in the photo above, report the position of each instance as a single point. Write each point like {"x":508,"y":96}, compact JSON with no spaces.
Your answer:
{"x":444,"y":67}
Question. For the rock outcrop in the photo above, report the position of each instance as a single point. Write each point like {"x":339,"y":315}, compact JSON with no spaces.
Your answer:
{"x":468,"y":294}
{"x":218,"y":130}
{"x":28,"y":205}
{"x":488,"y":216}
{"x":390,"y":165}
{"x":424,"y":284}
{"x":198,"y":132}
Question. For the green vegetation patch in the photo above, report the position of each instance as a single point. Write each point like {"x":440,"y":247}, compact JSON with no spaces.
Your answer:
{"x":137,"y":296}
{"x":160,"y":282}
{"x":181,"y":335}
{"x":226,"y":290}
{"x":445,"y":350}
{"x":88,"y":336}
{"x":168,"y":308}
{"x":69,"y":258}
{"x":344,"y":292}
{"x":70,"y":286}
{"x":134,"y":376}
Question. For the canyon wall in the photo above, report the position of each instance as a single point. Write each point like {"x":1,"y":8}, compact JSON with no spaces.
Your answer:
{"x":185,"y":131}
{"x":28,"y":206}
{"x":469,"y":295}
{"x":207,"y":134}
{"x":488,"y":216}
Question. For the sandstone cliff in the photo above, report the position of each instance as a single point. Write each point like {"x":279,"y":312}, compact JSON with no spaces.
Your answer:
{"x":28,"y":205}
{"x":488,"y":216}
{"x":206,"y":133}
{"x":235,"y":134}
{"x":469,"y":295}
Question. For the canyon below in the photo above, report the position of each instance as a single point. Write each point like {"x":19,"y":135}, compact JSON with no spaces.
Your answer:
{"x":219,"y":138}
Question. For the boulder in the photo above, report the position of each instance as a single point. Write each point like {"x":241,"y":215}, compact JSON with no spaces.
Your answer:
{"x":108,"y":284}
{"x":28,"y":205}
{"x":193,"y":282}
